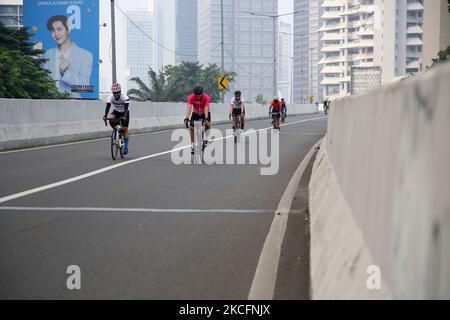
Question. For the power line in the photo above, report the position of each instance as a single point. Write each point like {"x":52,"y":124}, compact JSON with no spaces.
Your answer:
{"x":237,"y":64}
{"x":149,"y":37}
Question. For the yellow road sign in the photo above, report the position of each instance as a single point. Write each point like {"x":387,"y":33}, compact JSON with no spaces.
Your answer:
{"x":222,"y":82}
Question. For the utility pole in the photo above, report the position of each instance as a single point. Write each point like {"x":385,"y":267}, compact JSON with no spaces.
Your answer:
{"x":302,"y":64}
{"x":113,"y":34}
{"x":223,"y":48}
{"x":275,"y":36}
{"x":311,"y":72}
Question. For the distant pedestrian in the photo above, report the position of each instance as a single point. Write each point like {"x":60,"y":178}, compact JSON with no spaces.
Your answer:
{"x":326,"y":105}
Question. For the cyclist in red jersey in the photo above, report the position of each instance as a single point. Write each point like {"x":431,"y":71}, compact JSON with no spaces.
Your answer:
{"x":275,"y":111}
{"x":197,"y":107}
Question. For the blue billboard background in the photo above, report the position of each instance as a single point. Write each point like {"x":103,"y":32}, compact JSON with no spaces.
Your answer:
{"x":72,"y":55}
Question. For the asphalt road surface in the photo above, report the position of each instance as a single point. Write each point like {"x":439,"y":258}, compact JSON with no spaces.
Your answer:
{"x":150,"y":229}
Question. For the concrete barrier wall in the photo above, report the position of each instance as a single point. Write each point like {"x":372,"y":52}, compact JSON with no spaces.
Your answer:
{"x":29,"y":123}
{"x":380,"y":193}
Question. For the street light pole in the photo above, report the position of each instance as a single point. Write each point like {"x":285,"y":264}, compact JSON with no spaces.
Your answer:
{"x":311,"y":72}
{"x":113,"y":34}
{"x":223,"y":59}
{"x":275,"y":82}
{"x":274,"y":17}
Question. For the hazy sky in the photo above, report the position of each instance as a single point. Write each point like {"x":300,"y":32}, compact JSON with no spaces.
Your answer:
{"x":284,"y":6}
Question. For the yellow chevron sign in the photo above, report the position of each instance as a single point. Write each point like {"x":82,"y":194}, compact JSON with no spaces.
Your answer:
{"x":222,"y":82}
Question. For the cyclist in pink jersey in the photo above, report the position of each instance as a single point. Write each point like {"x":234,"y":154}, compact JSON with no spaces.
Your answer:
{"x":197,"y":107}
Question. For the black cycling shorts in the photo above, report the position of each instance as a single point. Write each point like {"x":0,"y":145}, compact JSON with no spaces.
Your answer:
{"x":237,"y":111}
{"x":197,"y":117}
{"x":118,"y":115}
{"x":276,"y":115}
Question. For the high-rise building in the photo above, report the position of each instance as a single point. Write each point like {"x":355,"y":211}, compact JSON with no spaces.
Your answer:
{"x":301,"y":83}
{"x":285,"y":61}
{"x":436,"y":35}
{"x":164,"y":31}
{"x":175,"y":31}
{"x":248,"y":40}
{"x":348,"y":36}
{"x":315,"y":45}
{"x":139,"y":46}
{"x":369,"y":33}
{"x":414,"y":36}
{"x":186,"y":30}
{"x":11,"y":13}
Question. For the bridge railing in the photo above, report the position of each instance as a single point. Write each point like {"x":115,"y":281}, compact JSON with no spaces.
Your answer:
{"x":31,"y":123}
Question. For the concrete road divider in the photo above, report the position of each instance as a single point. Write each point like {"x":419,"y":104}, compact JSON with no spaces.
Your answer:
{"x":380,"y":194}
{"x":32,"y":123}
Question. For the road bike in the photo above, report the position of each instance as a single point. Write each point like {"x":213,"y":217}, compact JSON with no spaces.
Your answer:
{"x":199,"y":140}
{"x":238,"y":129}
{"x":274,"y":120}
{"x":117,"y":138}
{"x":283,"y":115}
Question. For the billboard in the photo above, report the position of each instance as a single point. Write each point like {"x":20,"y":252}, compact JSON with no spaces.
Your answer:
{"x":68,"y":31}
{"x":364,"y":79}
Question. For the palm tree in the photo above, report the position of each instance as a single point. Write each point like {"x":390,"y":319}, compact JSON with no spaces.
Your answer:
{"x":145,"y":93}
{"x":175,"y":83}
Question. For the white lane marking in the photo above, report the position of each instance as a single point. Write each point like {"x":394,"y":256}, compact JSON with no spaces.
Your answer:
{"x":84,"y":176}
{"x":283,"y":125}
{"x":301,"y":134}
{"x":53,"y":146}
{"x":150,"y":210}
{"x":77,"y":142}
{"x":99,"y":171}
{"x":264,"y":281}
{"x":92,"y":140}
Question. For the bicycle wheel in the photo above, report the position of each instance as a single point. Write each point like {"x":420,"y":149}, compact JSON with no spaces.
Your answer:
{"x":122,"y":145}
{"x":114,"y":146}
{"x":198,"y":142}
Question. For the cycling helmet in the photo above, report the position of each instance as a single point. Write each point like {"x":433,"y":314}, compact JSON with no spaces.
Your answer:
{"x":237,"y":94}
{"x":198,"y":90}
{"x":275,"y":98}
{"x":116,"y":88}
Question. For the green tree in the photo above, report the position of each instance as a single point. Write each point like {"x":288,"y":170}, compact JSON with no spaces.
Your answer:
{"x":175,"y":83}
{"x":208,"y":77}
{"x":443,"y":55}
{"x":21,"y":75}
{"x":154,"y":91}
{"x":260,"y":99}
{"x":183,"y":78}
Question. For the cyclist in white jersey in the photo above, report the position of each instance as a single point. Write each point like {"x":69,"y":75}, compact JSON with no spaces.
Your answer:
{"x":120,"y":103}
{"x":237,"y":109}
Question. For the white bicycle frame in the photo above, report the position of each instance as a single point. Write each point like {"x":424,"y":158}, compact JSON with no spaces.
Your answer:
{"x":117,"y":139}
{"x":237,"y":132}
{"x":198,"y":141}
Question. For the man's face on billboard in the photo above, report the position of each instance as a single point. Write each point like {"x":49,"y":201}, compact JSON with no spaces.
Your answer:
{"x":59,"y":32}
